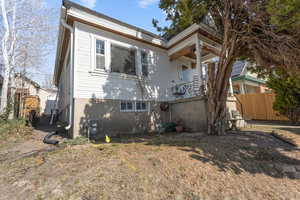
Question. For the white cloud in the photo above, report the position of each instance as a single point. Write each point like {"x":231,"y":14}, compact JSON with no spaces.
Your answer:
{"x":146,"y":3}
{"x":89,"y":3}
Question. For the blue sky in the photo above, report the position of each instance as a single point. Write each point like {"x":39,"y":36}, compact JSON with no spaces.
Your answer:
{"x":136,"y":12}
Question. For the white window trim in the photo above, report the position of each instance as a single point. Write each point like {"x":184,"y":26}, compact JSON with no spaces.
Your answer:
{"x":107,"y":47}
{"x":106,"y":54}
{"x":126,"y":110}
{"x":100,"y":54}
{"x":134,"y":106}
{"x":142,"y":110}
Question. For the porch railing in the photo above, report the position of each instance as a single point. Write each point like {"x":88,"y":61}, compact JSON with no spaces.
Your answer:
{"x":186,"y":90}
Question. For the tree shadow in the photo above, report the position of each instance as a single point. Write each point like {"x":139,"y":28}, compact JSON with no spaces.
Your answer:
{"x":244,"y":152}
{"x":109,"y":120}
{"x":44,"y":125}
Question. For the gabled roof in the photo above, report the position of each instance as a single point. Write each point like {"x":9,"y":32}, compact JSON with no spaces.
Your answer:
{"x":35,"y":84}
{"x":69,"y":4}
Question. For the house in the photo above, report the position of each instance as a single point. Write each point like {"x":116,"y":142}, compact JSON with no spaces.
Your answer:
{"x":244,"y":81}
{"x":24,"y":86}
{"x":47,"y":100}
{"x":124,"y":79}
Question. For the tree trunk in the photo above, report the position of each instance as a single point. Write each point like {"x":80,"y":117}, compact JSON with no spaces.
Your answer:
{"x":217,"y":93}
{"x":5,"y":55}
{"x":218,"y":83}
{"x":4,"y":91}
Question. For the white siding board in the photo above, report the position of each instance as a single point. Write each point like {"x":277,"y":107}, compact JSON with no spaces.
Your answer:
{"x":112,"y":86}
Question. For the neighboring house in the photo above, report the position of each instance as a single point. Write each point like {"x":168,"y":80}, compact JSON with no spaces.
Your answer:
{"x":128,"y":79}
{"x":29,"y":87}
{"x":244,"y":81}
{"x":47,"y":100}
{"x":26,"y":87}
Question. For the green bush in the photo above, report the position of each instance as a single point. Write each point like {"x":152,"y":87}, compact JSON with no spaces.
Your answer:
{"x":287,"y":90}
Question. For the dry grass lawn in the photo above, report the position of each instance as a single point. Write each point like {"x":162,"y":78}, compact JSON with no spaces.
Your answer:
{"x":179,"y":167}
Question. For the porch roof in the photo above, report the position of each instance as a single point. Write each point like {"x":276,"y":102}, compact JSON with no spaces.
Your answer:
{"x":248,"y":78}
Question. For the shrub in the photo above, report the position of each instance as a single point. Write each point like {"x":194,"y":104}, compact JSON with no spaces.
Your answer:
{"x":287,"y":90}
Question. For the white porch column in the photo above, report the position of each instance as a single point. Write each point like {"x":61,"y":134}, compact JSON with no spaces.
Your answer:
{"x":242,"y":88}
{"x":199,"y":66}
{"x":230,"y":87}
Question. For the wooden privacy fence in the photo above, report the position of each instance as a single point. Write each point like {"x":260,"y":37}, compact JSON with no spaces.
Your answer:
{"x":258,"y":106}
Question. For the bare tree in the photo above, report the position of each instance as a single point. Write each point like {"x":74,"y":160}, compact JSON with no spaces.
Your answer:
{"x":27,"y":28}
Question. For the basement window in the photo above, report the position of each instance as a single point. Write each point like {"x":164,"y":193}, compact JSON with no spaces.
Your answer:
{"x":140,"y":106}
{"x":130,"y":106}
{"x":127,"y":106}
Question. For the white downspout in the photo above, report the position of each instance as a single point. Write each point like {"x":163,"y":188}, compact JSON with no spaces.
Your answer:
{"x":70,"y":28}
{"x":56,"y":107}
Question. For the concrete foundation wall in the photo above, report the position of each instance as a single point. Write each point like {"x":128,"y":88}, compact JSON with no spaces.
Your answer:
{"x":112,"y":121}
{"x":192,"y":112}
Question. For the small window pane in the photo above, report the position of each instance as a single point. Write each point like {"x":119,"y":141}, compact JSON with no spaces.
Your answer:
{"x":123,"y":106}
{"x":144,"y":58}
{"x":100,"y":62}
{"x":144,"y":107}
{"x":144,"y":63}
{"x":138,"y":106}
{"x":100,"y":47}
{"x":129,"y":106}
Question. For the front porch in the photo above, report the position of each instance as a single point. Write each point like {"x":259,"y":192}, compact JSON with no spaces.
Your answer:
{"x":199,"y":47}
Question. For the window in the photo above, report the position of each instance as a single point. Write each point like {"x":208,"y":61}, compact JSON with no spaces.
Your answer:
{"x":123,"y":60}
{"x":100,"y":54}
{"x":145,"y":63}
{"x":127,"y":106}
{"x":186,"y":74}
{"x":141,"y":106}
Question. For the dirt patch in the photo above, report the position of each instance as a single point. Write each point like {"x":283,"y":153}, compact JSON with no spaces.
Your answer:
{"x":187,"y":166}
